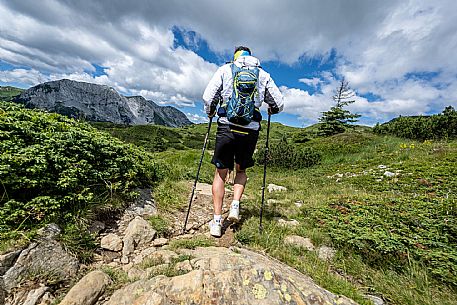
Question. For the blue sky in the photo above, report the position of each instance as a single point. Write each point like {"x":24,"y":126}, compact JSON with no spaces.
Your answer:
{"x":398,"y":56}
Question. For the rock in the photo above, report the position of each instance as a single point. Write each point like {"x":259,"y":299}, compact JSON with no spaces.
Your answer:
{"x":43,"y":257}
{"x":138,"y":233}
{"x":184,"y":266}
{"x":50,"y":231}
{"x":389,"y":174}
{"x":275,"y":188}
{"x":382,"y":166}
{"x":87,"y":290}
{"x":47,"y":299}
{"x":158,"y":242}
{"x":34,"y":296}
{"x":376,"y":300}
{"x":273,"y":201}
{"x":7,"y":260}
{"x":111,"y":242}
{"x":162,"y":255}
{"x":96,"y":227}
{"x":298,"y":203}
{"x":2,"y":291}
{"x":225,"y":277}
{"x":99,"y":103}
{"x":299,"y":241}
{"x":288,"y":223}
{"x":326,"y":253}
{"x":108,"y":256}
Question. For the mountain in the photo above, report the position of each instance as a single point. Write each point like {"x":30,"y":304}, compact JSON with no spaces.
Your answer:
{"x":99,"y":103}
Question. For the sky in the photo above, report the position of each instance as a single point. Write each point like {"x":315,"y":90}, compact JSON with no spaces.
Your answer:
{"x":399,"y":57}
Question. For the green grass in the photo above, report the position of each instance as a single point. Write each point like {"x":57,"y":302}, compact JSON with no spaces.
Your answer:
{"x":199,"y":241}
{"x":395,"y":236}
{"x":8,"y":92}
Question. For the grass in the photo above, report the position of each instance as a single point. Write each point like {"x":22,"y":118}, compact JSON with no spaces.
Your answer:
{"x":395,"y":236}
{"x":8,"y":92}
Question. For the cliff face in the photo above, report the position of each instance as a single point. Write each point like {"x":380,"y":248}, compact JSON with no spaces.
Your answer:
{"x":99,"y":103}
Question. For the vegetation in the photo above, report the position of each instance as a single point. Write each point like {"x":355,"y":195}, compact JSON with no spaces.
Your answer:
{"x":56,"y":169}
{"x":387,"y":204}
{"x":434,"y":127}
{"x":7,"y":93}
{"x":337,"y":119}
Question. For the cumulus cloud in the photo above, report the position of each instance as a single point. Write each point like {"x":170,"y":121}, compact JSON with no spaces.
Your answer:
{"x":379,"y":46}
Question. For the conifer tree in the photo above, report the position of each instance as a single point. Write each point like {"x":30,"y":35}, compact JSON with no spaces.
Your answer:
{"x":337,"y":119}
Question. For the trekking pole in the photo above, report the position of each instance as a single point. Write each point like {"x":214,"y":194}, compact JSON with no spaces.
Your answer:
{"x":264,"y":173}
{"x":198,"y":173}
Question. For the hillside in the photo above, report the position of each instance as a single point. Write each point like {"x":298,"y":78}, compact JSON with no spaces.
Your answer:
{"x":7,"y":93}
{"x":369,"y":217}
{"x":99,"y":103}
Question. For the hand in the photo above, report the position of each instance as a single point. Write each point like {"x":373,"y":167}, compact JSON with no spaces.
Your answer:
{"x":269,"y":111}
{"x":212,"y":112}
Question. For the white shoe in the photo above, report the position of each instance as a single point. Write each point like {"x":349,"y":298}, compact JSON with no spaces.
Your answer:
{"x":234,"y":215}
{"x":215,"y":228}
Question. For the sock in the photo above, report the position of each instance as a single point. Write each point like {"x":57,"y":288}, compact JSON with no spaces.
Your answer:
{"x":235,"y":203}
{"x":217,"y":218}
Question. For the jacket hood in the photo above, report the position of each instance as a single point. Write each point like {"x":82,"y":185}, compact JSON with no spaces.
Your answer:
{"x":247,"y":61}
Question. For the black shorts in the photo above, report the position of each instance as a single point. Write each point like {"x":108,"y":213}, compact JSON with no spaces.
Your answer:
{"x":234,"y":144}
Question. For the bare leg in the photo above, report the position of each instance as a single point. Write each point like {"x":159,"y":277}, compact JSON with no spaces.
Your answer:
{"x":240,"y":183}
{"x":218,"y":189}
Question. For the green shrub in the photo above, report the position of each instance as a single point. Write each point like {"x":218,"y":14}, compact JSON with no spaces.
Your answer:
{"x":284,"y":155}
{"x":51,"y":166}
{"x":439,"y":126}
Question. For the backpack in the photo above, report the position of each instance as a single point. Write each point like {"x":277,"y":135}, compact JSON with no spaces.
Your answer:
{"x":240,"y":107}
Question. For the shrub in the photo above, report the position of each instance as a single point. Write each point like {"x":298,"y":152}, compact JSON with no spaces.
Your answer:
{"x":438,"y":126}
{"x":51,"y":166}
{"x":284,"y":155}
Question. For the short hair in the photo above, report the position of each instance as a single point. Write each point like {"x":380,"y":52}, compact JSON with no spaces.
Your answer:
{"x":242,"y":48}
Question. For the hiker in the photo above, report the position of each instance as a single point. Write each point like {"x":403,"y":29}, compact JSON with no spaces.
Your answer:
{"x":239,"y":88}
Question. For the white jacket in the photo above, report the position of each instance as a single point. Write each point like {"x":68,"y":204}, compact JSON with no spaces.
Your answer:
{"x":220,"y":87}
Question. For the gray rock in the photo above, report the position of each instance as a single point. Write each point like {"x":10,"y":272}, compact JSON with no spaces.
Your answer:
{"x":7,"y":260}
{"x":288,"y":223}
{"x":275,"y":188}
{"x":299,"y":242}
{"x":184,"y":266}
{"x":111,"y":242}
{"x":43,"y":257}
{"x":87,"y":290}
{"x":298,"y":203}
{"x":326,"y":253}
{"x":96,"y":227}
{"x":50,"y":231}
{"x":35,"y":295}
{"x":376,"y":300}
{"x":382,"y":166}
{"x":99,"y":103}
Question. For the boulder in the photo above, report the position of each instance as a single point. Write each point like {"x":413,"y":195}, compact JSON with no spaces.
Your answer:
{"x":111,"y":242}
{"x":87,"y":290}
{"x":222,"y":276}
{"x":288,"y":223}
{"x":46,"y":256}
{"x":138,"y":233}
{"x":159,"y":242}
{"x":299,"y":242}
{"x":7,"y":260}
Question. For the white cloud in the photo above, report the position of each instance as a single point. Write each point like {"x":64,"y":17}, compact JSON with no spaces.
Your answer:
{"x":196,"y":118}
{"x":378,"y":44}
{"x":314,"y":82}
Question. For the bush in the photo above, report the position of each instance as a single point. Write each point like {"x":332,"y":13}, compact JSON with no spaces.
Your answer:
{"x":438,"y":126}
{"x":51,"y":166}
{"x":284,"y":155}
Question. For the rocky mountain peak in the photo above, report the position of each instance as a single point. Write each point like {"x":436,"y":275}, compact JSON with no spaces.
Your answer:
{"x":99,"y":103}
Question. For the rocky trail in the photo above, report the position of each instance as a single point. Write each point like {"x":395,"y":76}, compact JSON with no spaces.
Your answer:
{"x":135,"y":266}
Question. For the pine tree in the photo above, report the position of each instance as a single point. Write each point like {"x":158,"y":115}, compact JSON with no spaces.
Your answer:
{"x":337,"y":119}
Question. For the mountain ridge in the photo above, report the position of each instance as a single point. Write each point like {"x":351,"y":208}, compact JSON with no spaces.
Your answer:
{"x":99,"y":103}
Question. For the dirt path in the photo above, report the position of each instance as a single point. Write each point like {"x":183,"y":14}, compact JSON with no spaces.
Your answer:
{"x":201,"y":214}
